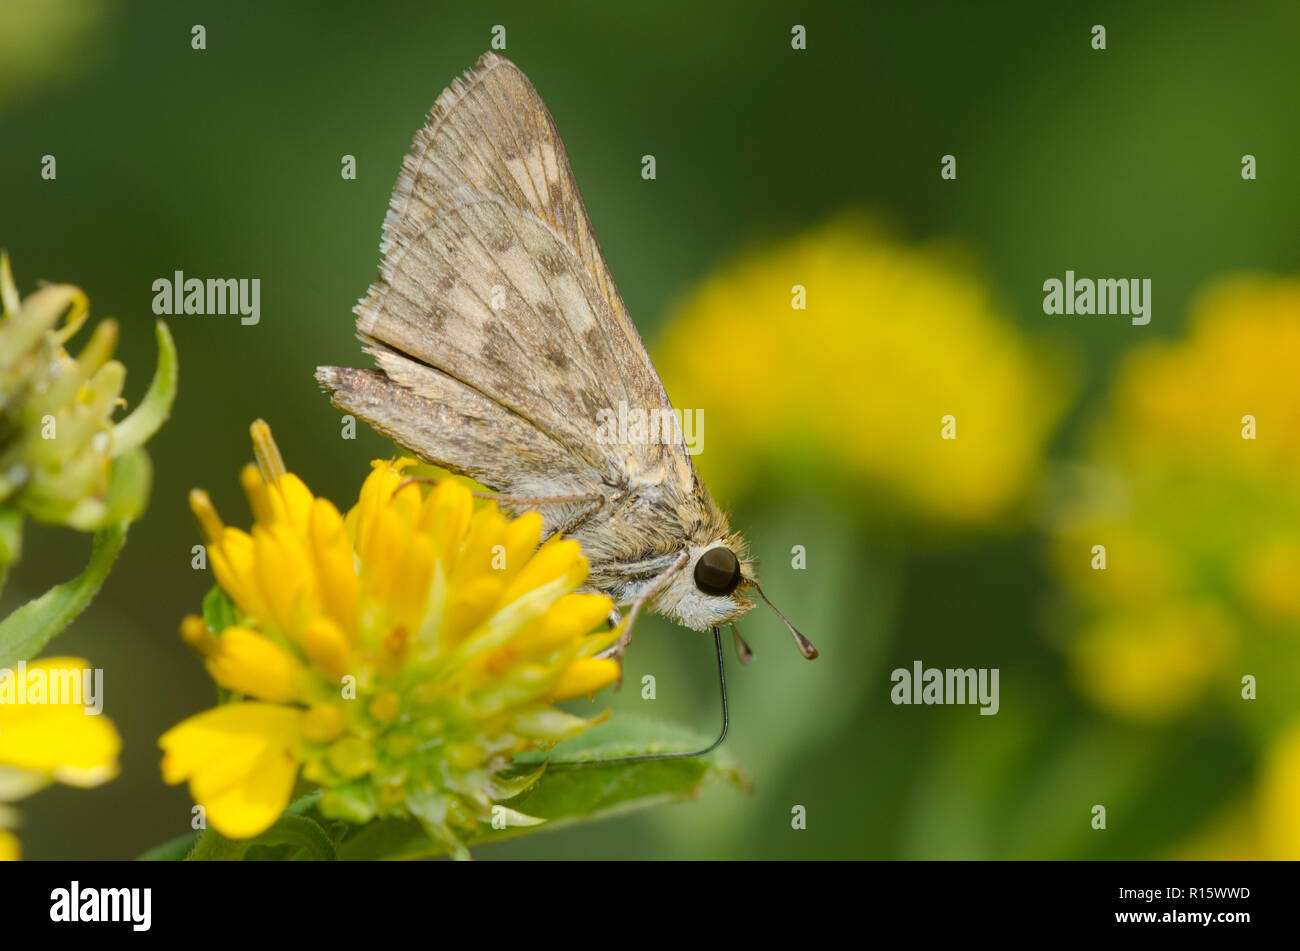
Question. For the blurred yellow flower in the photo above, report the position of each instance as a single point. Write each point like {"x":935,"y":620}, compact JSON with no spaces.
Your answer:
{"x":400,"y":656}
{"x":856,"y":386}
{"x":1184,"y":402}
{"x":1278,"y":796}
{"x":1270,"y":579}
{"x":1201,"y":520}
{"x":43,"y":43}
{"x":1152,"y":662}
{"x":1266,"y":824}
{"x":53,"y":739}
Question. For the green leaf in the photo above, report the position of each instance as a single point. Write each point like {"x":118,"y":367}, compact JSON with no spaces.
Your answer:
{"x":291,"y":836}
{"x":582,"y":792}
{"x":135,"y":430}
{"x":173,"y":850}
{"x":25,"y":632}
{"x":128,"y":488}
{"x":219,"y":611}
{"x":210,"y":845}
{"x":300,"y":834}
{"x":582,"y":788}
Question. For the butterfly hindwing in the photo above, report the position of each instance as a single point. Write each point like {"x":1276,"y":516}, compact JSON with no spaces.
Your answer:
{"x":416,"y":405}
{"x":492,"y":296}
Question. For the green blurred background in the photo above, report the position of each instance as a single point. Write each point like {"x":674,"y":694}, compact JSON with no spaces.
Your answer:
{"x":225,"y":162}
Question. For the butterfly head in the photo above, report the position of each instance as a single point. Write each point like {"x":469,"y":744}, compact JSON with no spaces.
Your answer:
{"x":705,"y":589}
{"x":717,"y":571}
{"x":711,"y":590}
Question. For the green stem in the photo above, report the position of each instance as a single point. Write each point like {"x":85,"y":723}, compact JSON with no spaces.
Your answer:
{"x":24,"y":633}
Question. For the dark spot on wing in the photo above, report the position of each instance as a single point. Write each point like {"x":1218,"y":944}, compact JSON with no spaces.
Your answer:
{"x":557,"y":357}
{"x":555,"y":194}
{"x":553,"y":262}
{"x":496,"y":348}
{"x":498,"y":235}
{"x":591,"y":402}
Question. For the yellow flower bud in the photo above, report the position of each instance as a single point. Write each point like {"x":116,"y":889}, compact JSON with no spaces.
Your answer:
{"x":195,"y":634}
{"x":585,"y":676}
{"x":384,"y":707}
{"x":351,"y":757}
{"x":322,"y":723}
{"x":248,"y":663}
{"x":327,"y":647}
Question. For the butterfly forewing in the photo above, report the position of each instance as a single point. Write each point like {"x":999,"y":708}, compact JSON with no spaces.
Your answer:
{"x":492,"y":276}
{"x":500,"y":339}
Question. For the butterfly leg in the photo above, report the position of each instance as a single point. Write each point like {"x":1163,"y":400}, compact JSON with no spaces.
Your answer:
{"x":514,"y":501}
{"x":520,"y":502}
{"x":616,"y":651}
{"x":578,"y":520}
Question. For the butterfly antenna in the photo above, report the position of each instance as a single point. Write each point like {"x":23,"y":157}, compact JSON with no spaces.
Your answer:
{"x":805,"y":646}
{"x":644,"y":757}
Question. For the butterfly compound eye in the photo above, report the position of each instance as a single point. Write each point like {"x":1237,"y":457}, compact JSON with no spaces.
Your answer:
{"x":718,"y":571}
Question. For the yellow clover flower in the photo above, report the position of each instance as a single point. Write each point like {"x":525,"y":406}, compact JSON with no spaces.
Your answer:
{"x":53,"y":740}
{"x":852,"y":390}
{"x":400,"y":656}
{"x":1195,"y":494}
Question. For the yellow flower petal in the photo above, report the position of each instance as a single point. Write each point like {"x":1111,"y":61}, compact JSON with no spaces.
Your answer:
{"x":285,"y":578}
{"x":250,"y":807}
{"x":584,"y":677}
{"x":472,"y":603}
{"x":484,"y":549}
{"x":292,"y":500}
{"x":411,"y":578}
{"x":322,"y":723}
{"x":255,"y":490}
{"x":248,"y":663}
{"x":446,"y":516}
{"x":211,"y":734}
{"x":522,"y":538}
{"x":335,"y":565}
{"x":558,"y":558}
{"x":240,"y":760}
{"x":210,"y":526}
{"x":570,"y":618}
{"x":234,"y":564}
{"x":66,"y":743}
{"x":327,"y":647}
{"x":59,"y":740}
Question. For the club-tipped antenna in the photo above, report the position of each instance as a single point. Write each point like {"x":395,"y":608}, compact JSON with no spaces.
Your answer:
{"x":722,"y":687}
{"x":805,"y":646}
